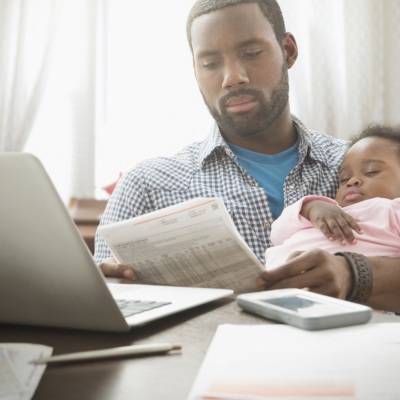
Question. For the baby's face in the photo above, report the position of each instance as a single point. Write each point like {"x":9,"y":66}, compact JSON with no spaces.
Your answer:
{"x":370,"y":168}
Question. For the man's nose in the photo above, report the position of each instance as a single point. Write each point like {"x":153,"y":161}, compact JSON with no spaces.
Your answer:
{"x":235,"y":75}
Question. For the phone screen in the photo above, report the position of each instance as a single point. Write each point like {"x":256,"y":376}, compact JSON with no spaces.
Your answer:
{"x":304,"y":306}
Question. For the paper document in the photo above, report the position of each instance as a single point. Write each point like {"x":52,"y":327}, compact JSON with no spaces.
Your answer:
{"x":194,"y":243}
{"x":268,"y":361}
{"x":18,"y":378}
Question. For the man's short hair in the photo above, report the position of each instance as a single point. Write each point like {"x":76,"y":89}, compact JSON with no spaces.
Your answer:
{"x":270,"y":8}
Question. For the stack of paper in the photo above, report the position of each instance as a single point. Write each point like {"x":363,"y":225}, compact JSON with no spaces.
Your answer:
{"x":18,"y":378}
{"x":283,"y":362}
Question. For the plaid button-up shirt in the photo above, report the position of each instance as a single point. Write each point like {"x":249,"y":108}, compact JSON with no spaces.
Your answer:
{"x":209,"y":169}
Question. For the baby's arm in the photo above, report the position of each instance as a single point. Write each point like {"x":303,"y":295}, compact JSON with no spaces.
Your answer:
{"x":333,"y":222}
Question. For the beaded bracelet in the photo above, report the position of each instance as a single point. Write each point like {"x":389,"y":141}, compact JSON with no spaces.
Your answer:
{"x":362,"y":276}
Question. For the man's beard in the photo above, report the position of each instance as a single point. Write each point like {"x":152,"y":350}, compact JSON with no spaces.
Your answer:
{"x":251,"y":125}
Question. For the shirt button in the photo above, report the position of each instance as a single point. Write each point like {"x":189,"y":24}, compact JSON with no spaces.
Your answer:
{"x":291,"y":187}
{"x":267,"y":225}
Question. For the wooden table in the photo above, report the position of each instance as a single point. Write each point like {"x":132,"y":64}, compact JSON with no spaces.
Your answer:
{"x":156,"y":377}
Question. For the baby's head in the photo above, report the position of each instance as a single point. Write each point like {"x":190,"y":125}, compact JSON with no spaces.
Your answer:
{"x":371,"y":166}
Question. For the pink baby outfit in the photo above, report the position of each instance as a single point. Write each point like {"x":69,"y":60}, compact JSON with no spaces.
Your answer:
{"x":379,"y":219}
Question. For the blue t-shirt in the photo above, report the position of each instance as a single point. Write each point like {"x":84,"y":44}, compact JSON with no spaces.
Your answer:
{"x":269,"y":171}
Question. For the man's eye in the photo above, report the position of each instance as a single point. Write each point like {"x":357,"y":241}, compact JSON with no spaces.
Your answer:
{"x":210,"y":64}
{"x":253,"y":53}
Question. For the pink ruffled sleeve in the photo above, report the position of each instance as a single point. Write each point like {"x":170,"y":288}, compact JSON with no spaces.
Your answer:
{"x":291,"y":221}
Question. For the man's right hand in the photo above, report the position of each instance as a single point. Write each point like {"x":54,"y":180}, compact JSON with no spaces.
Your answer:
{"x":111,"y":269}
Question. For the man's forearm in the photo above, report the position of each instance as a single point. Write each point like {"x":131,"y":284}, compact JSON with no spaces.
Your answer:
{"x":386,"y":283}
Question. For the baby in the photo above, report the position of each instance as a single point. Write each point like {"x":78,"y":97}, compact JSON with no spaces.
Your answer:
{"x":365,"y":218}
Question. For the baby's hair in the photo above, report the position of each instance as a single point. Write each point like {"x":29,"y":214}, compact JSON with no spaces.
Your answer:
{"x":388,"y":132}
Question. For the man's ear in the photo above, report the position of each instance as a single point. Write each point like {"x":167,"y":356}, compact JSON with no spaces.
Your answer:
{"x":290,"y":49}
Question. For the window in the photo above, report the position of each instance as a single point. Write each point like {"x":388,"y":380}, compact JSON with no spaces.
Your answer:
{"x":121,"y":89}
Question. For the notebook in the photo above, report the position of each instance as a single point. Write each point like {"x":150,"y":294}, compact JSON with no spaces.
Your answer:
{"x":47,"y":274}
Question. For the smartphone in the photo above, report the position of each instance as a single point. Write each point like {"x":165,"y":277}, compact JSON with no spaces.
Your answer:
{"x":304,"y":309}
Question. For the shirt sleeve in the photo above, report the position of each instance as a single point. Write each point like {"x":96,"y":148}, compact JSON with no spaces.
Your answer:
{"x":128,"y":200}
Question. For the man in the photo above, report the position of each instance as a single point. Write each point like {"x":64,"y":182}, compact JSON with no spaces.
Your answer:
{"x":258,"y":157}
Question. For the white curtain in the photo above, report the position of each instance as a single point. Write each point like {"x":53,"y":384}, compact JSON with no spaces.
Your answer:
{"x":347,"y":74}
{"x":63,"y":136}
{"x":27,"y":31}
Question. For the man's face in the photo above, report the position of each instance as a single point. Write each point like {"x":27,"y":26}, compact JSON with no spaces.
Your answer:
{"x":370,"y":168}
{"x":240,"y":69}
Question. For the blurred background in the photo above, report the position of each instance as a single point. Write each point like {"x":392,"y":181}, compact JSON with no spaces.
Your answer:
{"x":94,"y":86}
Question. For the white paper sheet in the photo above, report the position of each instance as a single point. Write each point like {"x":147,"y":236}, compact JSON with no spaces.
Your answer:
{"x":284,"y":362}
{"x":18,"y":378}
{"x":194,"y":243}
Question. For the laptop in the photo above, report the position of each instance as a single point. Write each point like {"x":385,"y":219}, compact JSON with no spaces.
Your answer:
{"x":47,"y":274}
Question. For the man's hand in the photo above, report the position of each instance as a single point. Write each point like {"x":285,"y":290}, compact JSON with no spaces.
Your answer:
{"x":315,"y":270}
{"x":333,"y":222}
{"x":112,"y":269}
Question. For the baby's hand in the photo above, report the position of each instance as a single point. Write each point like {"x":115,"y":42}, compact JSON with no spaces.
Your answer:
{"x":333,"y":222}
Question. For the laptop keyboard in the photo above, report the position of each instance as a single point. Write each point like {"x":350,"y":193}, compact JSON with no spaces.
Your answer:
{"x":131,"y":307}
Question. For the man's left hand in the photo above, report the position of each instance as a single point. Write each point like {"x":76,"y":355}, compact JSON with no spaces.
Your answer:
{"x":315,"y":270}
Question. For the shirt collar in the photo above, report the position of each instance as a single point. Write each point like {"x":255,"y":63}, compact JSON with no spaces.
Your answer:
{"x":307,"y":147}
{"x":215,"y":143}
